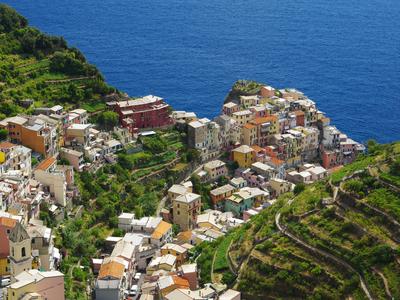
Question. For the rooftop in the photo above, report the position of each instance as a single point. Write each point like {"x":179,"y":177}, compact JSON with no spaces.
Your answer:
{"x":46,"y":164}
{"x":243,"y":149}
{"x":188,"y":198}
{"x":161,"y":230}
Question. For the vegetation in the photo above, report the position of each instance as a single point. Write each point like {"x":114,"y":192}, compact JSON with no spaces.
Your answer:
{"x":37,"y":66}
{"x":243,"y":88}
{"x":355,"y":228}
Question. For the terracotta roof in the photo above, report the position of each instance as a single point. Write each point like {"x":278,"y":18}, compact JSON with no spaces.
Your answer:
{"x":7,"y":222}
{"x":276,"y":161}
{"x":160,"y":230}
{"x":185,"y":235}
{"x":111,"y":269}
{"x":181,"y":282}
{"x":47,"y":163}
{"x":6,"y":145}
{"x":249,"y":126}
{"x":261,"y":120}
{"x":299,"y":113}
{"x":257,"y":148}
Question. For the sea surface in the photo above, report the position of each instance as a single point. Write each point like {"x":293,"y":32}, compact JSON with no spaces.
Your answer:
{"x":343,"y":54}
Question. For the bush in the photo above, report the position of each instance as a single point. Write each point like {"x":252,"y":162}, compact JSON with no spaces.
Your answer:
{"x":300,"y":187}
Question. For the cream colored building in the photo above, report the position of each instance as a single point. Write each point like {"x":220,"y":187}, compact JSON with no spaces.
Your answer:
{"x":215,"y":169}
{"x":186,"y":208}
{"x":20,"y":250}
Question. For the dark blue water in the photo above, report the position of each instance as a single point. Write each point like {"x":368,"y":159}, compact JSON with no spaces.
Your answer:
{"x":344,"y":54}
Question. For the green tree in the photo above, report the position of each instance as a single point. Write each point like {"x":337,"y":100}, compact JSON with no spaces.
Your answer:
{"x":300,"y":187}
{"x":10,"y":20}
{"x":3,"y":134}
{"x":107,"y":120}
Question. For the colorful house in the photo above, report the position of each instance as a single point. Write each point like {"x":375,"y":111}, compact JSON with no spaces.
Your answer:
{"x":244,"y":156}
{"x":239,"y":202}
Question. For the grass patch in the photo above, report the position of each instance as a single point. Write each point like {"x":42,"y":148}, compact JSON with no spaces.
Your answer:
{"x":361,"y":163}
{"x":94,"y":106}
{"x":221,"y":261}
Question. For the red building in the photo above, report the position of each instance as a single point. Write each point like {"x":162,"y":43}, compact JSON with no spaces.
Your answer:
{"x":147,"y":112}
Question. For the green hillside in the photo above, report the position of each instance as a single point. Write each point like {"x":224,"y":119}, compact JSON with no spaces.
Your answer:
{"x":37,"y":66}
{"x":323,"y":243}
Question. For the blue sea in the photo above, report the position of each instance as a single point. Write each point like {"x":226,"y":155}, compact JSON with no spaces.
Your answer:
{"x":343,"y":54}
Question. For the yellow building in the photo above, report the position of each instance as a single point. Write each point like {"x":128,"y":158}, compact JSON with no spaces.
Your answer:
{"x":176,"y":250}
{"x":244,"y":156}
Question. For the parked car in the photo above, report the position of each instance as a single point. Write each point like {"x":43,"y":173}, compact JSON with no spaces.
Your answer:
{"x":133,"y":291}
{"x":137,"y":276}
{"x":5,"y":281}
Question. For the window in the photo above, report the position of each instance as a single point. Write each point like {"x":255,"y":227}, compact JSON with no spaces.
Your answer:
{"x":23,"y":252}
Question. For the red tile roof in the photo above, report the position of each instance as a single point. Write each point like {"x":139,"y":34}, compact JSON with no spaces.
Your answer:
{"x":6,"y":145}
{"x":46,"y":164}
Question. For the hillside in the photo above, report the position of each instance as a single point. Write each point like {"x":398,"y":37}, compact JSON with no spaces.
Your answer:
{"x":336,"y":239}
{"x":37,"y":66}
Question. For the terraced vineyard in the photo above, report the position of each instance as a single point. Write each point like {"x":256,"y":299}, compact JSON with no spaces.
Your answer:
{"x":338,"y":239}
{"x":43,"y":68}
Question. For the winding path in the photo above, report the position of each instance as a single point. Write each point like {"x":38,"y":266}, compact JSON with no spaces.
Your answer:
{"x":385,"y":283}
{"x":340,"y":261}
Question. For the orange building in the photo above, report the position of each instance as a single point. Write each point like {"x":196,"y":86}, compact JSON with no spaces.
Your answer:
{"x":32,"y":132}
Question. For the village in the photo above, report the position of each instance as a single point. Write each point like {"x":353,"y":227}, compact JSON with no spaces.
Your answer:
{"x":261,"y":146}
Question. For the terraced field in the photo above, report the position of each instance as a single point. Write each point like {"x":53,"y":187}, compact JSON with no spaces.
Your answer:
{"x":338,"y":239}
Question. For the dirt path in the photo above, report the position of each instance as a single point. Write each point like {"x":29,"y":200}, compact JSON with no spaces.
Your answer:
{"x":304,"y":244}
{"x":385,"y":282}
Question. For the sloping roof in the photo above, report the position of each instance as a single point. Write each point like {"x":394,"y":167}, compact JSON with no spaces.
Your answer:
{"x":46,"y":164}
{"x":243,"y":149}
{"x":124,"y":249}
{"x":181,"y":282}
{"x":189,"y":268}
{"x":262,"y":120}
{"x":257,"y":148}
{"x":18,"y":234}
{"x":7,"y":222}
{"x":178,"y":189}
{"x":6,"y":145}
{"x":111,"y":269}
{"x":161,"y":230}
{"x":168,"y":259}
{"x":249,"y":126}
{"x":188,"y":197}
{"x":175,"y":247}
{"x":185,"y":235}
{"x":214,"y":164}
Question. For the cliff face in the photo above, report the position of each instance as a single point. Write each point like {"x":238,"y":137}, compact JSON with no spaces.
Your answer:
{"x":243,"y":88}
{"x":37,"y":66}
{"x":338,"y":238}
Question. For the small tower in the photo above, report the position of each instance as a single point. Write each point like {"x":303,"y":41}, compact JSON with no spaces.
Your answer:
{"x":20,"y":250}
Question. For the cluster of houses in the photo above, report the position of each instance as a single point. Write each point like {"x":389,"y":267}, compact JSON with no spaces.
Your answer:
{"x":37,"y":165}
{"x":147,"y":262}
{"x":276,"y":139}
{"x":29,"y":260}
{"x":284,"y":126}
